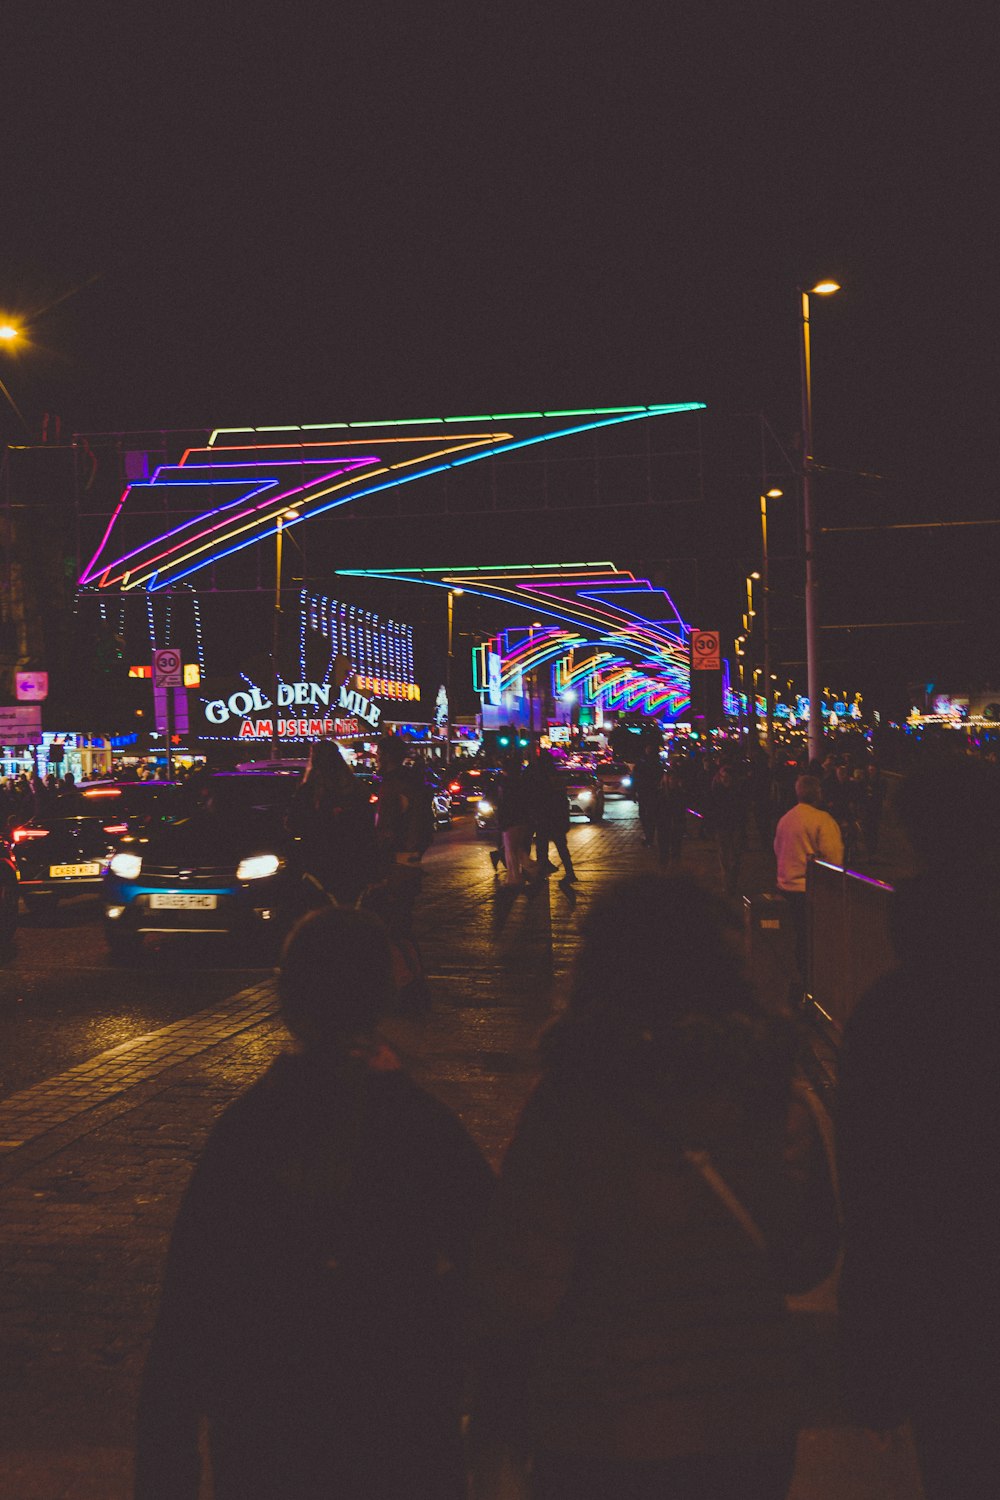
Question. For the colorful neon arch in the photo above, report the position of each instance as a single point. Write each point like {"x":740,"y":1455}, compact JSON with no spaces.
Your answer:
{"x":247,"y":480}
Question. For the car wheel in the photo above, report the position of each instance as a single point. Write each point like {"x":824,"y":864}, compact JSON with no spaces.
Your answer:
{"x":8,"y":913}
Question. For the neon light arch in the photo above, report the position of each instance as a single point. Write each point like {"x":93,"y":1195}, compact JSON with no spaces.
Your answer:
{"x":256,"y":477}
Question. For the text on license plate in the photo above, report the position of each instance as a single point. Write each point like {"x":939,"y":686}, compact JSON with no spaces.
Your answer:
{"x":58,"y":872}
{"x":182,"y":901}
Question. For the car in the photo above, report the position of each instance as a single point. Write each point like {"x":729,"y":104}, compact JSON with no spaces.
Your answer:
{"x":9,"y":897}
{"x":466,"y":787}
{"x":585,"y":793}
{"x":485,"y":808}
{"x":615,"y":777}
{"x":63,"y":848}
{"x":233,"y":870}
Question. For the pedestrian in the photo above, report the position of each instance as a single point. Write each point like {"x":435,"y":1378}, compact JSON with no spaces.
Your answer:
{"x":312,"y":1298}
{"x":550,"y":817}
{"x":671,"y":810}
{"x":647,"y":774}
{"x":664,"y":1189}
{"x":329,"y":816}
{"x":404,"y":828}
{"x":919,"y":1142}
{"x":804,"y":832}
{"x":872,"y":801}
{"x":514,"y":815}
{"x":727,"y":816}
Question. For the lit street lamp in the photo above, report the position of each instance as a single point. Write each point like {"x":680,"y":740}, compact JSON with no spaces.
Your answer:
{"x":9,"y":334}
{"x":810,"y":531}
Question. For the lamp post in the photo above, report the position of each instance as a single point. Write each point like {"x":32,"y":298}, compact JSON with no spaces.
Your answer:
{"x":535,"y":625}
{"x":286,"y":515}
{"x":740,"y":679}
{"x":773,"y":494}
{"x":447,"y":675}
{"x":748,"y":626}
{"x":809,"y":528}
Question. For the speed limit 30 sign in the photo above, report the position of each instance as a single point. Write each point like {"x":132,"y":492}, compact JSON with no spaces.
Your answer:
{"x":705,"y":655}
{"x":168,"y":668}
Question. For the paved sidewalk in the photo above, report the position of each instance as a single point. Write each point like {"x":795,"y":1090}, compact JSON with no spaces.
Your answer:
{"x":92,"y":1164}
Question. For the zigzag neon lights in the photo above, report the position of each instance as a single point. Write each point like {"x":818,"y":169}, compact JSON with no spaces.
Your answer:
{"x":328,"y":476}
{"x":642,"y":657}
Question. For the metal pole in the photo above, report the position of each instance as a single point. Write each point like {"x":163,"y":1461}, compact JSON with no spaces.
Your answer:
{"x":276,"y":637}
{"x":766,"y":580}
{"x":447,"y":682}
{"x":810,"y":536}
{"x":752,"y":738}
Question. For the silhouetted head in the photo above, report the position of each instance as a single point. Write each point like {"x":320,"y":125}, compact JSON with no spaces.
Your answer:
{"x":808,"y":789}
{"x":391,"y":753}
{"x":335,"y":979}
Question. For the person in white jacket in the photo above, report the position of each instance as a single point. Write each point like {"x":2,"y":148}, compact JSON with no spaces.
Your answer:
{"x":804,"y":831}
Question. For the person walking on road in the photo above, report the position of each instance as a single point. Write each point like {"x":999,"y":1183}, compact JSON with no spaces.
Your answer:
{"x":671,"y":809}
{"x":803,"y":832}
{"x":919,"y":1143}
{"x":647,"y":774}
{"x":551,"y":817}
{"x":666,"y":1186}
{"x":313,"y":1296}
{"x":727,"y":815}
{"x":514,"y":819}
{"x":330,"y":817}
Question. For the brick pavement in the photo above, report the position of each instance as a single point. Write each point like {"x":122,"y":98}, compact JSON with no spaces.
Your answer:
{"x":92,"y":1164}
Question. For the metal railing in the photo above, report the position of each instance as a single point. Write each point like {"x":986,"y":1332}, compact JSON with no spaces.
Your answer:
{"x":849,"y":938}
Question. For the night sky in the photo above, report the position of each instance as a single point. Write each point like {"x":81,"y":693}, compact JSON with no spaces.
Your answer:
{"x":238,"y":215}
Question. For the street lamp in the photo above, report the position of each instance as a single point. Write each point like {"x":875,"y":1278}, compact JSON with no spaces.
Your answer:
{"x":773,"y":494}
{"x":452,"y":593}
{"x":9,"y":334}
{"x":810,"y":532}
{"x":286,"y":515}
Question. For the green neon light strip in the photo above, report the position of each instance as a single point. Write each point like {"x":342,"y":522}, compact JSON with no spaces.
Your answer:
{"x":503,"y":416}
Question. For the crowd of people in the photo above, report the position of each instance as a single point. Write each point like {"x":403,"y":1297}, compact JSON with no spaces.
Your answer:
{"x":356,"y":1307}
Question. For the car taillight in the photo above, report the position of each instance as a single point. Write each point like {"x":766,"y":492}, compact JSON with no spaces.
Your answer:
{"x":104,"y":791}
{"x":22,"y":834}
{"x":116,"y":828}
{"x":454,"y":786}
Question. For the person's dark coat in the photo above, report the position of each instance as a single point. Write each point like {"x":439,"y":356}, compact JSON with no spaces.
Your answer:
{"x":337,"y":837}
{"x":918,"y":1145}
{"x":311,"y":1301}
{"x":648,"y":1324}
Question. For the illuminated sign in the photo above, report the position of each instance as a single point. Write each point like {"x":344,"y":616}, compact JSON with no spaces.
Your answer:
{"x":250,"y":704}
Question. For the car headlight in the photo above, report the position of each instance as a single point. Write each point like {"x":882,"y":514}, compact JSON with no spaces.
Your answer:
{"x":126,"y":866}
{"x":584,"y":796}
{"x":485,"y":807}
{"x":257,"y":867}
{"x":626,"y":781}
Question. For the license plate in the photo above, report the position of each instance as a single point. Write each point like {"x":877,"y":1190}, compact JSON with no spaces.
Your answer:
{"x":70,"y":872}
{"x":182,"y":901}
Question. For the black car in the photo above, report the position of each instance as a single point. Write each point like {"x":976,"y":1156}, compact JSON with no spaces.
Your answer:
{"x":8,"y":893}
{"x":223,"y":864}
{"x":64,"y":846}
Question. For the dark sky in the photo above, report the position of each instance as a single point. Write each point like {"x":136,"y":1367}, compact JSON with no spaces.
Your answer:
{"x":309,"y":212}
